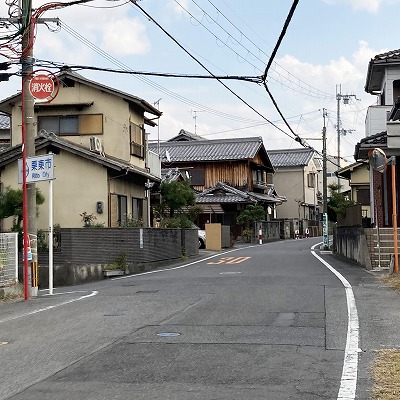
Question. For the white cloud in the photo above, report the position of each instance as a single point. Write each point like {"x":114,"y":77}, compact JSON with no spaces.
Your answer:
{"x":125,"y":37}
{"x":371,"y":6}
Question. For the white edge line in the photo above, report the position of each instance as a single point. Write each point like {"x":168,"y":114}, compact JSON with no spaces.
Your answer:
{"x":157,"y":271}
{"x":348,"y":381}
{"x":94,"y":293}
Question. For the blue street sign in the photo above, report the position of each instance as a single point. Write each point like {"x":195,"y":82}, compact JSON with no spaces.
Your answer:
{"x":39,"y":168}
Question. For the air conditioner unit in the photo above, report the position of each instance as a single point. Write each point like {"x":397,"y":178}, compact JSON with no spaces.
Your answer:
{"x":95,"y":144}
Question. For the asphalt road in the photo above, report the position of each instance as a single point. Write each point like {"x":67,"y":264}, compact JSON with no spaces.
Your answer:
{"x":262,"y":322}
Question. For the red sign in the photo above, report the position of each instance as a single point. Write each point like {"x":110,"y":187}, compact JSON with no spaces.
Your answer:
{"x":41,"y":86}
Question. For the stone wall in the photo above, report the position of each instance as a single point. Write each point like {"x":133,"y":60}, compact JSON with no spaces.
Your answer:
{"x":351,"y":243}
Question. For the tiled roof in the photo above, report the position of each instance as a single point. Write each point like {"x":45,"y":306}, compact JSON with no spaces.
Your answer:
{"x":4,"y":121}
{"x":390,"y":55}
{"x":210,"y":150}
{"x":377,"y":67}
{"x":185,"y":136}
{"x":223,"y":193}
{"x":370,"y":142}
{"x":46,"y":141}
{"x":290,"y":157}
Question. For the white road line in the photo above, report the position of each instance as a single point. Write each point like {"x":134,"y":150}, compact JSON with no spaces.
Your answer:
{"x":348,"y":382}
{"x":94,"y":293}
{"x":157,"y":271}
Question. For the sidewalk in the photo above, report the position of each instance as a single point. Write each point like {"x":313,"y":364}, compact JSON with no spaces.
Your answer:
{"x":378,"y":313}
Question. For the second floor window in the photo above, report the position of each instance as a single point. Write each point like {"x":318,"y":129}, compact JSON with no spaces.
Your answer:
{"x":69,"y":125}
{"x":137,"y":134}
{"x":311,"y":180}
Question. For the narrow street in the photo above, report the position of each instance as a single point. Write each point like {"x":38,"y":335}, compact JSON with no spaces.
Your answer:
{"x":258,"y":322}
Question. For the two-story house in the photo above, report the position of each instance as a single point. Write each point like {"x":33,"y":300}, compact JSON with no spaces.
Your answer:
{"x":382,"y":130}
{"x":98,"y":138}
{"x":298,"y":174}
{"x":5,"y":138}
{"x":357,"y":176}
{"x":226,"y":174}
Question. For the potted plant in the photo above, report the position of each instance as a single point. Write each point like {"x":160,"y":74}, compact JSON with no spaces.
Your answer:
{"x":116,"y":269}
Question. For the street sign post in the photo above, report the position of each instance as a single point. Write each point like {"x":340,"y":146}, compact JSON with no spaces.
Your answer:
{"x":39,"y":168}
{"x":325,"y":231}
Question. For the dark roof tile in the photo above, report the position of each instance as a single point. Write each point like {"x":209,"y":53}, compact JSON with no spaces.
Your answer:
{"x":290,"y":157}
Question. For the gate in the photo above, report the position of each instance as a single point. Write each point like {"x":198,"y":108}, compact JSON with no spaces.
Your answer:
{"x":8,"y":259}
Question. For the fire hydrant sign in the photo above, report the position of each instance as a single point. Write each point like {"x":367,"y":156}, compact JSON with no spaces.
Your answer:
{"x":39,"y":168}
{"x":41,"y":86}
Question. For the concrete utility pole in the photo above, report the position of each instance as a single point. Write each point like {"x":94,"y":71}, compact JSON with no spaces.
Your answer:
{"x":324,"y":174}
{"x":346,"y":98}
{"x":28,"y":140}
{"x":325,"y":232}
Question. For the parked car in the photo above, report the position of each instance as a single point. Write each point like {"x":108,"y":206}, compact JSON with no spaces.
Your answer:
{"x":202,"y":236}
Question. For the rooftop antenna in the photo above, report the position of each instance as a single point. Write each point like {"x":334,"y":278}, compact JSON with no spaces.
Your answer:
{"x":194,"y":114}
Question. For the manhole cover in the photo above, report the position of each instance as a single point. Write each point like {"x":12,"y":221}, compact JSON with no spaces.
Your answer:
{"x":168,"y":334}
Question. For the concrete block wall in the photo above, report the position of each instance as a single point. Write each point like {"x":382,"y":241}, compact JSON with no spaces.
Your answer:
{"x":85,"y":251}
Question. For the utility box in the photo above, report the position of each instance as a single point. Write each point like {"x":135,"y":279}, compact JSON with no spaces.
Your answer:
{"x":213,"y":236}
{"x":217,"y":236}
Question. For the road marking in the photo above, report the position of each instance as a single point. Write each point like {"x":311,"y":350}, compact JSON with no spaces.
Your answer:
{"x":230,"y":273}
{"x":182,"y":266}
{"x":348,"y":382}
{"x":94,"y":293}
{"x":230,"y":260}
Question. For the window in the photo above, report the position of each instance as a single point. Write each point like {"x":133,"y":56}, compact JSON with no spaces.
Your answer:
{"x":137,"y":208}
{"x":64,"y":125}
{"x":363,"y":197}
{"x":197,"y":177}
{"x":137,"y":140}
{"x":311,"y":180}
{"x":118,"y":210}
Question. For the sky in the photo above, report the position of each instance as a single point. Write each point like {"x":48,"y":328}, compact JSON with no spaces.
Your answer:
{"x":325,"y":51}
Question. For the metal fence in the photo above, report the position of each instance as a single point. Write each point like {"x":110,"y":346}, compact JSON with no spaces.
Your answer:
{"x":8,"y":258}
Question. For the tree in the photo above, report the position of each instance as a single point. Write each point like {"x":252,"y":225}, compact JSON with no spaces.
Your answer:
{"x":337,"y":203}
{"x":11,"y":205}
{"x":250,"y":215}
{"x":175,"y":195}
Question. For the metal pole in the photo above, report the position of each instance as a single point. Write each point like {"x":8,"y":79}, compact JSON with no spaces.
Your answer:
{"x":51,"y":278}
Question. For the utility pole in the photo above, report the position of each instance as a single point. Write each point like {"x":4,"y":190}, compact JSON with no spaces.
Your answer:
{"x":324,"y":173}
{"x":28,"y":139}
{"x":324,"y":186}
{"x":346,"y":98}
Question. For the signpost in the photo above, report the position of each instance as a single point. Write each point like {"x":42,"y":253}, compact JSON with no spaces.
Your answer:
{"x":41,"y":86}
{"x":40,"y":168}
{"x":325,"y":230}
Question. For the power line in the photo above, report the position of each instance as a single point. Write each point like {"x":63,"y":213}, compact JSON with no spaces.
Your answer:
{"x":203,"y":66}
